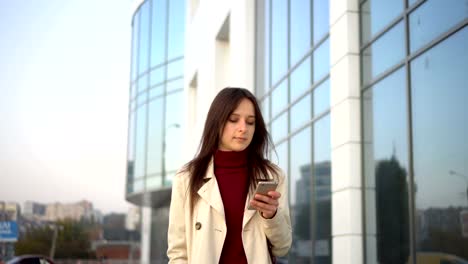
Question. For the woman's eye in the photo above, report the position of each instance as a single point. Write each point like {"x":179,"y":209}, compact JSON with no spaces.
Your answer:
{"x":233,"y":120}
{"x":251,"y":123}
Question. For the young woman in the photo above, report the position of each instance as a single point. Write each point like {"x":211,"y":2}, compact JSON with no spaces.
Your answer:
{"x":209,"y":221}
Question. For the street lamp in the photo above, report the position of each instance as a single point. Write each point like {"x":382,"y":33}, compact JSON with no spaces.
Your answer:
{"x":163,"y":165}
{"x":452,"y":172}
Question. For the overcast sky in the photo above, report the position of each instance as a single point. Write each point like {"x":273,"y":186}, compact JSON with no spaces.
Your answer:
{"x":64,"y":73}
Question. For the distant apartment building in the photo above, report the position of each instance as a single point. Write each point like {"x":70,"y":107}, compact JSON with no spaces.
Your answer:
{"x":74,"y":211}
{"x":34,"y":210}
{"x":365,"y":100}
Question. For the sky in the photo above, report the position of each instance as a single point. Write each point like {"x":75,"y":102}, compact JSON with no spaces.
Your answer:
{"x":64,"y":74}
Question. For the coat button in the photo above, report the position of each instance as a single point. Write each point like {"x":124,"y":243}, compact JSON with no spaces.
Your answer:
{"x":198,"y":226}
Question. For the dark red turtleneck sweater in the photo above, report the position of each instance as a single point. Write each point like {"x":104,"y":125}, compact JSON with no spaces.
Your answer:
{"x":230,"y":168}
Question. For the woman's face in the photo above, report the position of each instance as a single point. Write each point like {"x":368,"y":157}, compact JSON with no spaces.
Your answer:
{"x":239,"y":128}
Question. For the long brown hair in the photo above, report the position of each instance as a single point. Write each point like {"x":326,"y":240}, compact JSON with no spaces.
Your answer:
{"x":227,"y":100}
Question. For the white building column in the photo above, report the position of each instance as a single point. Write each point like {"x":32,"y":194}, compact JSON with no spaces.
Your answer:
{"x":347,"y":231}
{"x":145,"y":253}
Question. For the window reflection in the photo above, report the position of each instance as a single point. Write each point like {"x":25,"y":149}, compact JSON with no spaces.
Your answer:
{"x":279,"y":39}
{"x":176,"y":28}
{"x":440,"y":92}
{"x":173,"y":134}
{"x":279,"y":98}
{"x":376,"y":15}
{"x":322,"y":97}
{"x":300,"y":20}
{"x":279,"y":128}
{"x":386,"y":177}
{"x":384,"y":53}
{"x":158,"y":32}
{"x":322,"y":192}
{"x":140,"y":142}
{"x":136,"y":26}
{"x":301,"y":112}
{"x":154,"y":136}
{"x":301,"y":79}
{"x":322,"y":60}
{"x":143,"y":56}
{"x":175,"y":69}
{"x":321,"y":21}
{"x":300,"y":199}
{"x":423,"y":26}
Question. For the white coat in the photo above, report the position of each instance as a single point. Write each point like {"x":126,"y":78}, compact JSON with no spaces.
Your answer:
{"x":199,"y":238}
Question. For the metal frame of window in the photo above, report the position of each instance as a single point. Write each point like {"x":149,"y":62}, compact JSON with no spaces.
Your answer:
{"x":409,"y":57}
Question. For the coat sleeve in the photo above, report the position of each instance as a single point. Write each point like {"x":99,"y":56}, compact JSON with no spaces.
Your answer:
{"x":176,"y":237}
{"x":278,"y":229}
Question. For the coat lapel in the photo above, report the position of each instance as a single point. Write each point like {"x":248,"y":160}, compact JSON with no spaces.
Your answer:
{"x":210,"y":193}
{"x":248,"y":214}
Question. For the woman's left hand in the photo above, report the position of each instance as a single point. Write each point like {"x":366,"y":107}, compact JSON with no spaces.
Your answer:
{"x":266,"y":204}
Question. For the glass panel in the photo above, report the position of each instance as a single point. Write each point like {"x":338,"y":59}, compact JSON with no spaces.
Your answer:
{"x":136,"y":25}
{"x":130,"y":151}
{"x":301,"y":79}
{"x":322,"y":60}
{"x":154,"y":182}
{"x":386,"y":166}
{"x":279,"y":98}
{"x":377,"y":58}
{"x":173,"y":133}
{"x":155,"y":122}
{"x":143,"y":57}
{"x":322,"y":97}
{"x":138,"y":185}
{"x":301,"y":112}
{"x":440,"y":123}
{"x":141,"y":98}
{"x":279,"y":39}
{"x":322,"y":191}
{"x":300,"y":29}
{"x":142,"y":83}
{"x":279,"y":128}
{"x":140,"y":142}
{"x":282,"y":159}
{"x":158,"y":32}
{"x":266,"y":109}
{"x":376,"y":15}
{"x":157,"y":75}
{"x":176,"y":28}
{"x":175,"y":85}
{"x":133,"y":91}
{"x":411,"y":2}
{"x":175,"y":69}
{"x":266,"y":49}
{"x":156,"y":91}
{"x":321,"y":19}
{"x":301,"y":251}
{"x":423,"y":26}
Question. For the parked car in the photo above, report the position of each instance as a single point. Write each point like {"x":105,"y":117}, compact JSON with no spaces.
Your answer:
{"x":30,"y":259}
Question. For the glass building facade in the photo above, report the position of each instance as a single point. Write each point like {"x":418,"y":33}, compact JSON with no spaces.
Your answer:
{"x":364,"y":100}
{"x":292,"y":83}
{"x":414,"y":89}
{"x":155,"y":116}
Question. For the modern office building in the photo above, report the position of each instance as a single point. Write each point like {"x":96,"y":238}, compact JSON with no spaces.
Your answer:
{"x":365,"y":101}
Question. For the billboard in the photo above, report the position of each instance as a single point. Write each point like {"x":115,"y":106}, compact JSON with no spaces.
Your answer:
{"x":8,"y":231}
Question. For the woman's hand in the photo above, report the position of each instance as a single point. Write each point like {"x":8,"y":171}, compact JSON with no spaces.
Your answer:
{"x":266,"y":204}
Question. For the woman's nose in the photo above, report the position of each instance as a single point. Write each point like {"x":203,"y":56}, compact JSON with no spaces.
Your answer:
{"x":242,"y":126}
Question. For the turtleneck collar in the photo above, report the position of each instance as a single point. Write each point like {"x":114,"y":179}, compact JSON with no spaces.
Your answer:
{"x":230,"y":159}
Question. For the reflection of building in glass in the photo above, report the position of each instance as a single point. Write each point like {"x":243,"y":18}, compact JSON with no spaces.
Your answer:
{"x":370,"y":93}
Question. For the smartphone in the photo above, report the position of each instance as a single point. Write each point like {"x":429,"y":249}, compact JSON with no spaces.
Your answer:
{"x":264,"y":187}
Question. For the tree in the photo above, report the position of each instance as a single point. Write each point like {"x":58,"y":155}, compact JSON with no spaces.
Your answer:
{"x":72,"y":241}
